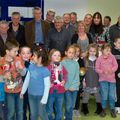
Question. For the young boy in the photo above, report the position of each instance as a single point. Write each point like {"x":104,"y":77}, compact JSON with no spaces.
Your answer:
{"x":11,"y":70}
{"x":25,"y":54}
{"x":116,"y":53}
{"x":2,"y":99}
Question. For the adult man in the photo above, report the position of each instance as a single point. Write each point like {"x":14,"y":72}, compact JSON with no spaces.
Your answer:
{"x":73,"y":19}
{"x":4,"y":36}
{"x":70,"y":28}
{"x":17,"y":29}
{"x":36,"y":31}
{"x":107,"y":21}
{"x":114,"y":31}
{"x":50,"y":17}
{"x":58,"y":36}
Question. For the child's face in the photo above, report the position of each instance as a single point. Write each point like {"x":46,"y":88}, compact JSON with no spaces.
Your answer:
{"x":106,"y":51}
{"x":70,"y":53}
{"x":56,"y":56}
{"x":13,"y":52}
{"x":117,"y":44}
{"x":77,"y":53}
{"x":25,"y":54}
{"x":35,"y":58}
{"x":92,"y":51}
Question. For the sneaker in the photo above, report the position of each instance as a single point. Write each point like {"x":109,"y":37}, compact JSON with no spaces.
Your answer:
{"x":74,"y":113}
{"x":117,"y":110}
{"x":77,"y":113}
{"x":103,"y":113}
{"x":113,"y":113}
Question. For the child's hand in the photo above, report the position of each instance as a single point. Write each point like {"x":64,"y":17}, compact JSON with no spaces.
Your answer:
{"x":118,"y":75}
{"x":62,"y":82}
{"x":106,"y":72}
{"x":19,"y":65}
{"x":84,"y":84}
{"x":71,"y":89}
{"x":7,"y":75}
{"x":21,"y":96}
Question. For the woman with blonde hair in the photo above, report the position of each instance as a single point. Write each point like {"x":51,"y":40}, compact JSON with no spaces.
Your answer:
{"x":82,"y":37}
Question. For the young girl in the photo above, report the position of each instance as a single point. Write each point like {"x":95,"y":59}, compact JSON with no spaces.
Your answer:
{"x":80,"y":61}
{"x":58,"y":78}
{"x":106,"y":65}
{"x":73,"y":82}
{"x":38,"y":83}
{"x":91,"y":85}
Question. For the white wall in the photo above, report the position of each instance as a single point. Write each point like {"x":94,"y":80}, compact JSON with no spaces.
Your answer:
{"x":106,"y":7}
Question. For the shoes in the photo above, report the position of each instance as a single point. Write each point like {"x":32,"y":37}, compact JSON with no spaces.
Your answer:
{"x":113,"y":113}
{"x":103,"y":113}
{"x":117,"y":110}
{"x":85,"y":108}
{"x":76,"y":113}
{"x":98,"y":108}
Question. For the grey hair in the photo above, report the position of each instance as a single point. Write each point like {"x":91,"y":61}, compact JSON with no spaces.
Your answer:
{"x":58,"y":18}
{"x":51,"y":10}
{"x":4,"y":22}
{"x":36,"y":8}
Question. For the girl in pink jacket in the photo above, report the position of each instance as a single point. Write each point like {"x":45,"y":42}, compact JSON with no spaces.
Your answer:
{"x":106,"y":66}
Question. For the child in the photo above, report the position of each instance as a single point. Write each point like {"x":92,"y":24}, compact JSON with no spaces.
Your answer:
{"x":106,"y":66}
{"x":11,"y":70}
{"x":72,"y":84}
{"x":80,"y":61}
{"x":2,"y":98}
{"x":58,"y":78}
{"x":25,"y":54}
{"x":91,"y":85}
{"x":38,"y":83}
{"x":116,"y":53}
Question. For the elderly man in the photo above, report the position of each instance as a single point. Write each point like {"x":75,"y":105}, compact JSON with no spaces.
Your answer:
{"x":4,"y":36}
{"x":58,"y":36}
{"x":50,"y":17}
{"x":17,"y":29}
{"x":36,"y":31}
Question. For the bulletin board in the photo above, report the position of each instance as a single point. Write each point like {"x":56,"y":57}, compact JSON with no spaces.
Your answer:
{"x":25,"y":8}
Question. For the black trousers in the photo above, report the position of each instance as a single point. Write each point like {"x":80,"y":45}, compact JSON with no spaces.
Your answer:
{"x":117,"y":104}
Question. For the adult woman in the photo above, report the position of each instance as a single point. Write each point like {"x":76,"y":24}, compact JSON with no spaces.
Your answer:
{"x":82,"y":38}
{"x":97,"y":31}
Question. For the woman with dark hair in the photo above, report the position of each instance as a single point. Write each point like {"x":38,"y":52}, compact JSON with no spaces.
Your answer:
{"x":97,"y":31}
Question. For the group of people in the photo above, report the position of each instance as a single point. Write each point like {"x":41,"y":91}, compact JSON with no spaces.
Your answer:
{"x":51,"y":64}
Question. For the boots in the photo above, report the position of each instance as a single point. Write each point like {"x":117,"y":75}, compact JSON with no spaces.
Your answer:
{"x":85,"y":108}
{"x":98,"y":108}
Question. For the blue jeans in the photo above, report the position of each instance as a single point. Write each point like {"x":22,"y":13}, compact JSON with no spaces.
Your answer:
{"x":14,"y":106}
{"x":37,"y":109}
{"x":108,"y":92}
{"x":55,"y":100}
{"x":70,"y":99}
{"x":2,"y":110}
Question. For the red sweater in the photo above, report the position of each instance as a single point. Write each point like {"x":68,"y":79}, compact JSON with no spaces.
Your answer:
{"x":63,"y":72}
